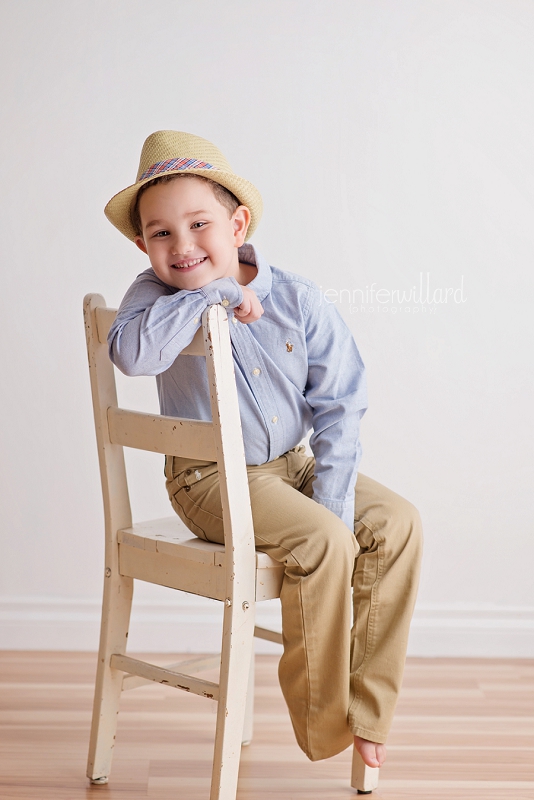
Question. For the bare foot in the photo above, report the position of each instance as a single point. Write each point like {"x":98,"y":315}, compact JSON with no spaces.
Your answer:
{"x":372,"y":753}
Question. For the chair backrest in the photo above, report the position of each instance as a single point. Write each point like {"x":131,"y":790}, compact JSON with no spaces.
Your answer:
{"x":220,"y":440}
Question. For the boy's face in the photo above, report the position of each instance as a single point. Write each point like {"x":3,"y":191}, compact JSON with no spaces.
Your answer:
{"x":188,"y":235}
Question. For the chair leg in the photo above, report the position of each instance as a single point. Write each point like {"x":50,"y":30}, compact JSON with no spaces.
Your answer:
{"x":248,"y":727}
{"x":116,"y":609}
{"x":237,"y":650}
{"x":364,"y":778}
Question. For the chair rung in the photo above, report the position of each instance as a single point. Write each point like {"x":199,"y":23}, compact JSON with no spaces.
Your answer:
{"x":192,"y":665}
{"x":162,"y":675}
{"x":265,"y":633}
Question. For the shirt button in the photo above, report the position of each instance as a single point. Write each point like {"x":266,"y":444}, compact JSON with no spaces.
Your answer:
{"x":225,"y":302}
{"x":196,"y":320}
{"x":234,"y":320}
{"x":256,"y":371}
{"x":274,"y":419}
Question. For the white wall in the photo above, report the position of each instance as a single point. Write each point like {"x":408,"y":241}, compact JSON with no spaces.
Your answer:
{"x":388,"y":140}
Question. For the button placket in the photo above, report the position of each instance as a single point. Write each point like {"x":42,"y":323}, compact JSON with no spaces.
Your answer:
{"x":250,"y":358}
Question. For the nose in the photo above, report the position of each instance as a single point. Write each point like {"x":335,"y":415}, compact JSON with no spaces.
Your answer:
{"x":181,"y":244}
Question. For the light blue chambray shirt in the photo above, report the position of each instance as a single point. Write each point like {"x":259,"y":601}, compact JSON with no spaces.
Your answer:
{"x":297,"y":368}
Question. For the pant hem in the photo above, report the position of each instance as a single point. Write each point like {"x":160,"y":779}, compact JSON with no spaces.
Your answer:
{"x":372,"y":736}
{"x":320,"y":755}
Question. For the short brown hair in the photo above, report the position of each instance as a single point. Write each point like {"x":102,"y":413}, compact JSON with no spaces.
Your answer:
{"x":224,"y":196}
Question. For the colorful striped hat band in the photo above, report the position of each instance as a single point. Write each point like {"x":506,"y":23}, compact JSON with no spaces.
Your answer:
{"x":175,"y":164}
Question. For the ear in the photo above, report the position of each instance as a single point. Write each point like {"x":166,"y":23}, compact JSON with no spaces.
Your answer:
{"x":140,"y":242}
{"x":240,"y":222}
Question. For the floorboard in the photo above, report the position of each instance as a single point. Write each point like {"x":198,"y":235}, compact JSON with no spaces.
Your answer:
{"x":464,"y":730}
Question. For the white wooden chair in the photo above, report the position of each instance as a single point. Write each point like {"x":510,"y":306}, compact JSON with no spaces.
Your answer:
{"x":161,"y":552}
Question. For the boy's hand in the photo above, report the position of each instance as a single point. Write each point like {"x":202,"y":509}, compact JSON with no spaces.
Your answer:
{"x":250,"y":308}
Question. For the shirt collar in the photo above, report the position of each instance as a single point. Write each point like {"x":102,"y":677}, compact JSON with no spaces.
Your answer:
{"x":263,"y":281}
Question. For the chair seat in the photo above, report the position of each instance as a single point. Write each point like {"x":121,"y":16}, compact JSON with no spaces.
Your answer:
{"x":145,"y":549}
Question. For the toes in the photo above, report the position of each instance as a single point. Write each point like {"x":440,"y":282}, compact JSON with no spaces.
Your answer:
{"x":373,"y":754}
{"x":380,"y":754}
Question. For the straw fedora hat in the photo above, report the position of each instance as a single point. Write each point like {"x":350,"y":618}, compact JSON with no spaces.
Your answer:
{"x":175,"y":152}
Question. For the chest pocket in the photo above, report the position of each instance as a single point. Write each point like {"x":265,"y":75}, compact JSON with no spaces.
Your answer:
{"x":287,"y":349}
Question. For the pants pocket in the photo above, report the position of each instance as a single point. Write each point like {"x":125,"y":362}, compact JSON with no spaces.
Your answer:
{"x":193,"y":489}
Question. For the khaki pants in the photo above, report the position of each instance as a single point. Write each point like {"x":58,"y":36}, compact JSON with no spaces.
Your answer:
{"x":340,"y":671}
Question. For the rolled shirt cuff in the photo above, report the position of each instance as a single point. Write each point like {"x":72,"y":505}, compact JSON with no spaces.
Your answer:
{"x":344,"y":509}
{"x":225,"y":291}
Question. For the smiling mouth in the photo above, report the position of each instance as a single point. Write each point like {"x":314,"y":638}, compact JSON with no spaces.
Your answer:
{"x":188,"y":264}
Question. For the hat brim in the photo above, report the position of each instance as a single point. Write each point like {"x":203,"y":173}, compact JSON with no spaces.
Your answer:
{"x":119,"y":208}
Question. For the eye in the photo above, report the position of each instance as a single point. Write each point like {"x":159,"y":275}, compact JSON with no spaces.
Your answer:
{"x":159,"y":234}
{"x":198,"y":224}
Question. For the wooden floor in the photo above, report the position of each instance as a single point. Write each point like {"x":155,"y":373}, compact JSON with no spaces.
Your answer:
{"x":464,"y":729}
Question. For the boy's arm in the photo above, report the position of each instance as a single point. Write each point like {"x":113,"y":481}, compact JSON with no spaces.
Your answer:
{"x":336,"y":391}
{"x":155,"y":322}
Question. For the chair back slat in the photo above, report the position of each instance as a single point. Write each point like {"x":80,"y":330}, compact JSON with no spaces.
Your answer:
{"x":170,"y":436}
{"x":240,"y":556}
{"x":105,"y":318}
{"x":117,"y":511}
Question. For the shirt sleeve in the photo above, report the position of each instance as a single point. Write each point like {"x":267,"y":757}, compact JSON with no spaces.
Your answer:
{"x":155,"y":322}
{"x":337,"y":394}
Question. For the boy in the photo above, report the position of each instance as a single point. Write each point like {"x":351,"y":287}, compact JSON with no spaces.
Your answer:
{"x":297,"y":368}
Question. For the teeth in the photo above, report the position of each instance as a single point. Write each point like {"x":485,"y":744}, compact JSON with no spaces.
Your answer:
{"x":185,"y":264}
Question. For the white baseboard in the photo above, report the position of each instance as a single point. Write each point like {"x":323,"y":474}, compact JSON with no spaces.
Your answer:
{"x":193,"y":625}
{"x":472,"y":631}
{"x":187,"y":625}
